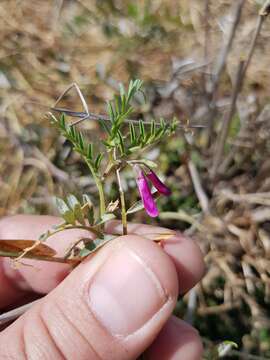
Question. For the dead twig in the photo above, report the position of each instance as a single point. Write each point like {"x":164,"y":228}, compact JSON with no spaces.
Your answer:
{"x":220,"y":66}
{"x":227,"y":122}
{"x":252,"y":198}
{"x":263,"y":13}
{"x":53,"y":169}
{"x":86,"y":115}
{"x":221,"y":63}
{"x":217,"y":309}
{"x":201,"y":194}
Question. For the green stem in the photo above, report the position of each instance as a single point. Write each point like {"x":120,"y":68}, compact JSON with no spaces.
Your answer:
{"x":69,"y":227}
{"x":123,"y":204}
{"x":102,"y":204}
{"x":27,"y":251}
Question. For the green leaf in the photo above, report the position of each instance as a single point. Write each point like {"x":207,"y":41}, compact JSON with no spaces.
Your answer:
{"x":76,"y":137}
{"x":153,"y":128}
{"x":132,"y":133}
{"x":81,"y":140}
{"x":75,"y":206}
{"x":87,"y":200}
{"x":117,"y":105}
{"x":142,"y":129}
{"x":135,"y":207}
{"x":151,"y":139}
{"x":78,"y":213}
{"x":72,"y":132}
{"x":134,"y":86}
{"x":98,"y":160}
{"x":95,"y":245}
{"x":111,"y":111}
{"x":174,"y":124}
{"x":122,"y":97}
{"x":159,"y":133}
{"x":162,"y":123}
{"x":63,"y":121}
{"x":89,"y":247}
{"x":121,"y":89}
{"x":105,"y":126}
{"x":134,"y":148}
{"x":66,"y":213}
{"x":121,"y":143}
{"x":106,"y":217}
{"x":225,"y":347}
{"x":72,"y":201}
{"x":138,"y":206}
{"x":128,"y":111}
{"x":149,"y":163}
{"x":90,"y":151}
{"x":53,"y":118}
{"x":89,"y":210}
{"x":90,"y":215}
{"x":123,"y":103}
{"x":108,"y":144}
{"x":130,"y":90}
{"x":62,"y":207}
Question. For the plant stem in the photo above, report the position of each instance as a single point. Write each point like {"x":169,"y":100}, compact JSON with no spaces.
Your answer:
{"x":26,"y":251}
{"x":69,"y":227}
{"x":17,"y":256}
{"x":123,"y":204}
{"x":102,"y":204}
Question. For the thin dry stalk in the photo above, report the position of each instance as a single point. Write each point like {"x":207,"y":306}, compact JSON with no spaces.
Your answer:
{"x":263,"y":13}
{"x":218,"y":309}
{"x":201,"y":194}
{"x":207,"y":39}
{"x":221,"y":63}
{"x":220,"y":66}
{"x":207,"y":42}
{"x":227,"y":122}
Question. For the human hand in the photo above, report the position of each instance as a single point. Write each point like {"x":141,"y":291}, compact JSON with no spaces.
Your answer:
{"x":114,"y":305}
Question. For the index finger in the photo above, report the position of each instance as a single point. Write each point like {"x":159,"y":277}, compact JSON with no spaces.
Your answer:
{"x":184,"y":251}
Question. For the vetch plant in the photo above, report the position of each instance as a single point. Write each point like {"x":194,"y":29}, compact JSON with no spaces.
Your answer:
{"x":145,"y":192}
{"x":123,"y":147}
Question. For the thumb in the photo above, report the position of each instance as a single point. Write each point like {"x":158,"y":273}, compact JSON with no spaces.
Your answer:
{"x":111,"y":306}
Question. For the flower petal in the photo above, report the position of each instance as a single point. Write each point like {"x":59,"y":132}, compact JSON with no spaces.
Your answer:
{"x":145,"y":192}
{"x":158,"y":184}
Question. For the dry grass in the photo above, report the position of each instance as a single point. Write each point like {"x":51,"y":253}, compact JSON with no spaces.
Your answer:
{"x":48,"y":45}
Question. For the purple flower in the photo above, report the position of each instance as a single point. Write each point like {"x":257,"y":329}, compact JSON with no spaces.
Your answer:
{"x":158,"y":184}
{"x":145,"y":192}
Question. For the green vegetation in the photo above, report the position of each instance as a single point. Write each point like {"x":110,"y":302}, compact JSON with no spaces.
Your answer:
{"x":219,"y":176}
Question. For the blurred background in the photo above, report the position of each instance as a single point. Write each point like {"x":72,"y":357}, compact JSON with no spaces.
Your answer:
{"x":204,"y":61}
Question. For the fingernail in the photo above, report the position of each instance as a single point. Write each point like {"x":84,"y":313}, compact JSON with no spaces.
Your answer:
{"x":125,"y":293}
